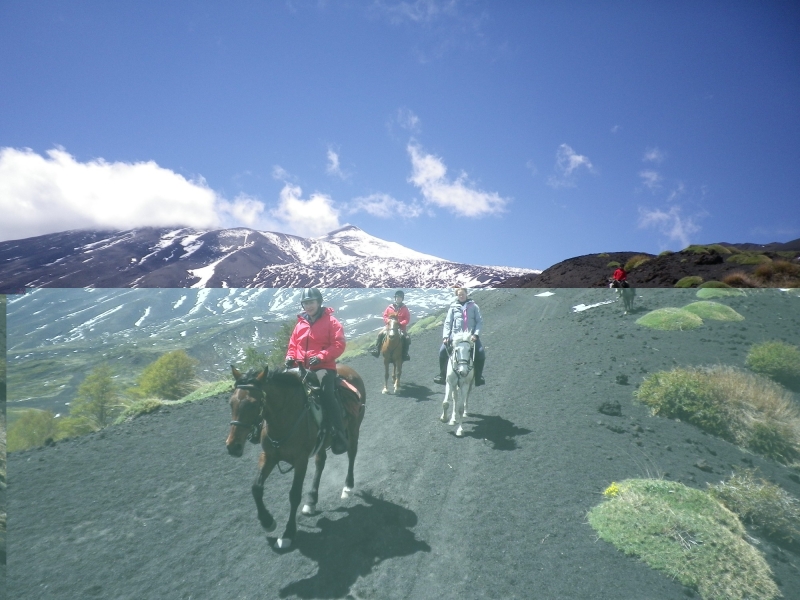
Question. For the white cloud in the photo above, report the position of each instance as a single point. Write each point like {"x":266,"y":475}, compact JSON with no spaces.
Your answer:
{"x":532,"y":168}
{"x":313,"y":217}
{"x":333,"y":167}
{"x":47,"y":194}
{"x":385,"y":207}
{"x":651,"y":179}
{"x":670,"y":223}
{"x":567,"y":163}
{"x":408,"y":120}
{"x":416,"y":11}
{"x":279,"y":173}
{"x":654,"y":155}
{"x":429,"y":174}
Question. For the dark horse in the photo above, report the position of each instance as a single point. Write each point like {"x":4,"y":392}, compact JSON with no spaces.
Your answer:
{"x":290,"y":432}
{"x":626,"y":292}
{"x":392,"y":352}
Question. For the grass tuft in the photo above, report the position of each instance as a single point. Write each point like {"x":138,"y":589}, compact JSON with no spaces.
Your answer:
{"x":713,"y":284}
{"x":748,"y":258}
{"x":740,"y":280}
{"x":746,"y":409}
{"x":687,"y":534}
{"x":139,"y":408}
{"x":636,"y":260}
{"x":670,"y":319}
{"x":768,"y":507}
{"x":612,"y":265}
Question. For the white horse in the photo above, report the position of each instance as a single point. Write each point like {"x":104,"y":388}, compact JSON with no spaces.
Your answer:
{"x":460,"y":376}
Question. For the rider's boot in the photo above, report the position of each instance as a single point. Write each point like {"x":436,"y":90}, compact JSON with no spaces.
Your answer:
{"x":333,"y":415}
{"x":376,"y":351}
{"x":440,"y":378}
{"x":479,"y":380}
{"x":406,"y":344}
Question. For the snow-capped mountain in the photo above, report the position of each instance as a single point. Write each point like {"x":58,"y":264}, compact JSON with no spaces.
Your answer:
{"x":56,"y":336}
{"x":229,"y":258}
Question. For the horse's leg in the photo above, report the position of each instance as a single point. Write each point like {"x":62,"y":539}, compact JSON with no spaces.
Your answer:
{"x":443,"y":418}
{"x":454,"y":394}
{"x":398,"y":369}
{"x":310,"y":506}
{"x":352,"y":450}
{"x":385,"y":376}
{"x":295,"y":495}
{"x":466,"y":398}
{"x":265,"y":466}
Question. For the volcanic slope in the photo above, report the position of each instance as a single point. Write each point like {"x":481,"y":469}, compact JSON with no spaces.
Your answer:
{"x":155,"y":508}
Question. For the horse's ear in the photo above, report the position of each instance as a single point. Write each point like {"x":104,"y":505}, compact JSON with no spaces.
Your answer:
{"x":236,"y":374}
{"x":263,"y":374}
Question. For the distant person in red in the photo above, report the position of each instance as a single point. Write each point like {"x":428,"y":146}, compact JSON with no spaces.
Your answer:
{"x":316,"y":342}
{"x":403,"y":318}
{"x":621,"y":277}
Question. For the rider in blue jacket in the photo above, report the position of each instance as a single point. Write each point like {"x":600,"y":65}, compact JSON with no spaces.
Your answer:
{"x":463,"y":315}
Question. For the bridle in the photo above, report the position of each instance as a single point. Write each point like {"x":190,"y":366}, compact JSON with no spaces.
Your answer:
{"x":250,"y":388}
{"x":455,"y":360}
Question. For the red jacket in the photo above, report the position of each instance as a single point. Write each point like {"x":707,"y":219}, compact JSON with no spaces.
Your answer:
{"x":403,"y":316}
{"x":323,"y":338}
{"x":620,"y":274}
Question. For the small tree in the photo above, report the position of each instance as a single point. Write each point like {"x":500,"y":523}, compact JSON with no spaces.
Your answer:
{"x":253,"y":359}
{"x":33,"y":428}
{"x":97,"y":398}
{"x":170,"y":377}
{"x":277,"y":355}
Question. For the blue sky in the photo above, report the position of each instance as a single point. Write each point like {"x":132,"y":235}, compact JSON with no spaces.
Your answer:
{"x":498,"y":133}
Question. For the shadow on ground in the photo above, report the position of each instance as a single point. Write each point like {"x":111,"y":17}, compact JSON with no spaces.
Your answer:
{"x":348,"y":548}
{"x":421,"y":393}
{"x":499,"y":431}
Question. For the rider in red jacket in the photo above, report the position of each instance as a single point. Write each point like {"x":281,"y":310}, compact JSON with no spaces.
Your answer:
{"x":620,"y":277}
{"x":403,"y":318}
{"x":316,"y":342}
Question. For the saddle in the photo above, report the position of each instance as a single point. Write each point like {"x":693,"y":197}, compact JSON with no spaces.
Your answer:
{"x":313,"y":389}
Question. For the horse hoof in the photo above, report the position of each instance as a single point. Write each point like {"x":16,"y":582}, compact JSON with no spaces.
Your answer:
{"x":283,"y":543}
{"x":384,"y":391}
{"x":309,"y":509}
{"x":271,"y":527}
{"x":459,"y":432}
{"x":443,"y":419}
{"x":464,"y":414}
{"x":452,"y":422}
{"x":346,"y":491}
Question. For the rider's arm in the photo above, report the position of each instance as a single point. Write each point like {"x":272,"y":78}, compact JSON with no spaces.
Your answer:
{"x":291,"y":351}
{"x":478,"y":320}
{"x":336,"y":342}
{"x":403,"y":317}
{"x":448,"y":324}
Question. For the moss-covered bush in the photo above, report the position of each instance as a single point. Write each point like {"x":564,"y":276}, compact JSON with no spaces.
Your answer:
{"x":748,"y":258}
{"x":713,"y":284}
{"x":686,"y":533}
{"x":612,"y":265}
{"x":777,"y":360}
{"x":670,"y":319}
{"x":713,"y":310}
{"x":718,"y":292}
{"x":689,"y":281}
{"x":138,"y":408}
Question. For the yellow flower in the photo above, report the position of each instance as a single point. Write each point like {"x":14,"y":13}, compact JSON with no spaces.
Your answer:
{"x":612,"y":490}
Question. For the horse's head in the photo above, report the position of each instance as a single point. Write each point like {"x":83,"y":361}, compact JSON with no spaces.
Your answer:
{"x":246,"y":407}
{"x":393,"y":326}
{"x":462,"y":353}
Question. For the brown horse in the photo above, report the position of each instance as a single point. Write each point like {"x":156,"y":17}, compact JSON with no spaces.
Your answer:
{"x":392,"y":352}
{"x":290,"y":432}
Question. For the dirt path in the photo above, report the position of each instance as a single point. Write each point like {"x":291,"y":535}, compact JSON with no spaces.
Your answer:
{"x":157,"y":509}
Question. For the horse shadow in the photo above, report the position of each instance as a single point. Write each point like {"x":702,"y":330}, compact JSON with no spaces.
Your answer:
{"x":348,"y":548}
{"x":499,"y":431}
{"x":420,"y":393}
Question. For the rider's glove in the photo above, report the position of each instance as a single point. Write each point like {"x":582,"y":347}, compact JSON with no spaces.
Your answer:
{"x":314,"y":360}
{"x":290,"y":363}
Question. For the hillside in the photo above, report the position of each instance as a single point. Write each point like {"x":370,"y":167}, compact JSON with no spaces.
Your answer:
{"x":156,"y":508}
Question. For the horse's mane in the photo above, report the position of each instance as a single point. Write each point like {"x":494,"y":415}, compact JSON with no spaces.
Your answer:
{"x":462,"y":336}
{"x":284,"y":378}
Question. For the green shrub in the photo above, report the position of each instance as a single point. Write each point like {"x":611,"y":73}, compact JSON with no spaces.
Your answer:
{"x":670,"y":319}
{"x":777,"y":360}
{"x":740,"y":280}
{"x":277,"y":355}
{"x":208,"y":390}
{"x":612,"y":265}
{"x":636,"y":261}
{"x":140,"y":407}
{"x":748,"y":258}
{"x":97,"y":398}
{"x":686,"y":394}
{"x":690,"y":281}
{"x":713,"y":310}
{"x":687,"y":534}
{"x":746,"y":409}
{"x":666,"y":253}
{"x":170,"y":377}
{"x":69,"y":427}
{"x":716,"y":292}
{"x":603,"y":255}
{"x":769,"y":508}
{"x":253,"y":359}
{"x":713,"y":284}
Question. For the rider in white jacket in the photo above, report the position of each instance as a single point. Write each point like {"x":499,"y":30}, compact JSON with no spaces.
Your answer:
{"x":463,"y":315}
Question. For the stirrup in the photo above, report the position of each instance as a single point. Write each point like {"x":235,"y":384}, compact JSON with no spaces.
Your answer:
{"x":438,"y":379}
